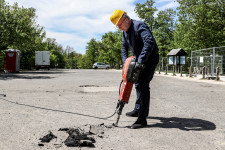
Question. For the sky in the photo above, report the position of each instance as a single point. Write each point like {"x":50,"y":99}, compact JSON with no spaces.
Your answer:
{"x":75,"y":22}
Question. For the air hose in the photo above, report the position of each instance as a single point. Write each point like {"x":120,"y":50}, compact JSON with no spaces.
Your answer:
{"x":37,"y":107}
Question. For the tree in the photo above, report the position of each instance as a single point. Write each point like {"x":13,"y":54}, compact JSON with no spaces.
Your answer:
{"x":110,"y":49}
{"x":20,"y":31}
{"x":76,"y":57}
{"x":201,"y":24}
{"x":91,"y":52}
{"x":4,"y":12}
{"x":57,"y":59}
{"x":146,"y":11}
{"x":68,"y":56}
{"x":164,"y":31}
{"x":82,"y":62}
{"x":18,"y":27}
{"x":50,"y":43}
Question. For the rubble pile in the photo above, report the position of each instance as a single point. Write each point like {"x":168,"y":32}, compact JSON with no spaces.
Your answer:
{"x":77,"y":136}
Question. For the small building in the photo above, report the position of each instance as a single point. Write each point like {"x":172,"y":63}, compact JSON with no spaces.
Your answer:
{"x":12,"y":60}
{"x":177,"y":58}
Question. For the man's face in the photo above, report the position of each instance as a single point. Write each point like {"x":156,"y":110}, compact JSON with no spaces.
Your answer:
{"x":123,"y":24}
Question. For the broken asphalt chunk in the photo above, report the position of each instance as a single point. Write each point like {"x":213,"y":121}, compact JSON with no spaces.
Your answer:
{"x":47,"y":138}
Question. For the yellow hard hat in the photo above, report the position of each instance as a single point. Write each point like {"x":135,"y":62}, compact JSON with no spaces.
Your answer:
{"x":116,"y":15}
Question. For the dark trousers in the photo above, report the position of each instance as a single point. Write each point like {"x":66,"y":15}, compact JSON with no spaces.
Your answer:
{"x":143,"y":90}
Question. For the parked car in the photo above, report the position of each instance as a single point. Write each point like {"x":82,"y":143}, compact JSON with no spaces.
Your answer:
{"x":100,"y":65}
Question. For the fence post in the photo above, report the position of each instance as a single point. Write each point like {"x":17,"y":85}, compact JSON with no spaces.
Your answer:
{"x":217,"y":74}
{"x":166,"y":70}
{"x":190,"y":72}
{"x":174,"y":71}
{"x":203,"y":72}
{"x":213,"y":63}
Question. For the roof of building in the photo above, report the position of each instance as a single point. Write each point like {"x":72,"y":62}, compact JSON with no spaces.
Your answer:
{"x":12,"y":50}
{"x":175,"y":52}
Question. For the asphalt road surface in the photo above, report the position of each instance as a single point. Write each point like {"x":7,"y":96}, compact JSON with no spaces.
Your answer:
{"x":184,"y":114}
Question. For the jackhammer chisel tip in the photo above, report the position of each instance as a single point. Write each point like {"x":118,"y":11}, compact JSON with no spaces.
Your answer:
{"x":115,"y":125}
{"x":4,"y":95}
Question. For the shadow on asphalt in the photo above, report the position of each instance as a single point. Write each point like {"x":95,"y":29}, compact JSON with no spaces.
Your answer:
{"x":29,"y":75}
{"x":18,"y":76}
{"x":186,"y":124}
{"x":43,"y":72}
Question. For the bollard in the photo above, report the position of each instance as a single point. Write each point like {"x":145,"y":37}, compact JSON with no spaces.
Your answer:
{"x":159,"y":70}
{"x":206,"y":71}
{"x":190,"y":72}
{"x":203,"y":72}
{"x":217,"y":74}
{"x":166,"y":70}
{"x":181,"y":71}
{"x":174,"y":71}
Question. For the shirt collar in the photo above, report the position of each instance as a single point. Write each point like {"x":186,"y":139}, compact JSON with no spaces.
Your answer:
{"x":131,"y":26}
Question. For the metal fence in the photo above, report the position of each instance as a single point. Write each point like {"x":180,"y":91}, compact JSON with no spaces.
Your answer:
{"x":163,"y":65}
{"x":210,"y":58}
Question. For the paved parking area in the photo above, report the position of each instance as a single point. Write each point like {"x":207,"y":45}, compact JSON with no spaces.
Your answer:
{"x":185,"y":113}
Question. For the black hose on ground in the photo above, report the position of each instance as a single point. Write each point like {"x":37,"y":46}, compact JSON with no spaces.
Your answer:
{"x":37,"y":107}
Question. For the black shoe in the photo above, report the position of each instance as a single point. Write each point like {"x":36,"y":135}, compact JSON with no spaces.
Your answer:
{"x":133,"y":113}
{"x":139,"y":124}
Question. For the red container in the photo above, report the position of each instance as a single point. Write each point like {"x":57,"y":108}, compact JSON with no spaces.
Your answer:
{"x":12,"y":60}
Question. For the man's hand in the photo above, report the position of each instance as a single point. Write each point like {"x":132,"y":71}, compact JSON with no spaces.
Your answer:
{"x":139,"y":66}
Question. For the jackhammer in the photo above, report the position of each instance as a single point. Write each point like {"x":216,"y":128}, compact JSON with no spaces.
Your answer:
{"x":130,"y":74}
